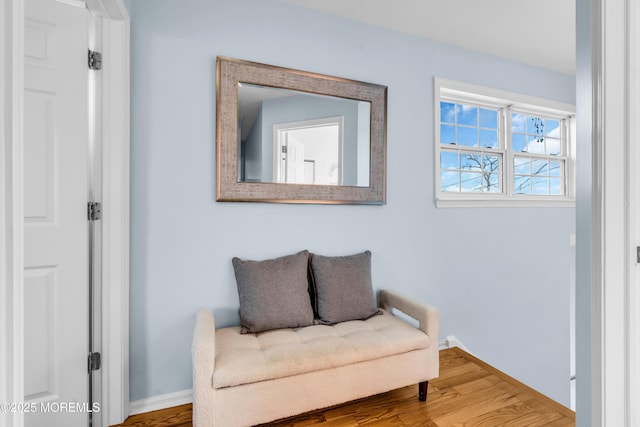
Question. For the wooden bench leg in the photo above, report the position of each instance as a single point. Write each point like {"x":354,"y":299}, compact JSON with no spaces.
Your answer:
{"x":422,"y":391}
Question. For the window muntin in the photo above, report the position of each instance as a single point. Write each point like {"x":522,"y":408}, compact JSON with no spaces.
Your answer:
{"x":495,"y":148}
{"x":470,"y":159}
{"x":536,"y":134}
{"x":469,"y":172}
{"x":539,"y":147}
{"x":468,"y":125}
{"x":538,"y":176}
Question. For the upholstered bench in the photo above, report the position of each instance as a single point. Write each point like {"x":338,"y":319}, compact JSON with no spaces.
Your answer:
{"x":243,"y":378}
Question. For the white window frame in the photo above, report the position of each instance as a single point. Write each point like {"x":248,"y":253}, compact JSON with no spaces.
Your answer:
{"x":506,"y":102}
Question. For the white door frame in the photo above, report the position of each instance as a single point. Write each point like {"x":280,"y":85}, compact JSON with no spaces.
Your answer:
{"x":633,"y":68}
{"x":115,"y":199}
{"x":607,"y":211}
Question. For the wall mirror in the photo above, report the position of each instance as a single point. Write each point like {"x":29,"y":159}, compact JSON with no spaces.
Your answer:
{"x":292,"y":136}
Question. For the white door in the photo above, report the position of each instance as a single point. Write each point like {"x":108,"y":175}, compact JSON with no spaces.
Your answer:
{"x":294,"y":160}
{"x":56,"y":297}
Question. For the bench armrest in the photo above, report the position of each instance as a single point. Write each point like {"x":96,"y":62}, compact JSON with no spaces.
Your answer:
{"x":427,"y":316}
{"x":203,"y":349}
{"x":203,"y":356}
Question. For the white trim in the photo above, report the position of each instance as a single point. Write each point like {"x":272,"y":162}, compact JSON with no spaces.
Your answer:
{"x":115,"y":223}
{"x":489,"y":95}
{"x":116,"y":235}
{"x":489,"y":202}
{"x":162,"y":401}
{"x":11,"y":215}
{"x":610,"y":223}
{"x":633,"y":65}
{"x":75,"y":3}
{"x":452,"y":341}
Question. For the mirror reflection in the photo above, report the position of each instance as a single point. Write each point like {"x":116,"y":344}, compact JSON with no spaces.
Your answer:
{"x":288,"y":136}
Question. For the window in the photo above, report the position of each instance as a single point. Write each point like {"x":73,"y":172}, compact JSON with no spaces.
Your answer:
{"x":498,"y":148}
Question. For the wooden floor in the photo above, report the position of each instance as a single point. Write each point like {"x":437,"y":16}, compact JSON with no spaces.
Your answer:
{"x":468,"y":393}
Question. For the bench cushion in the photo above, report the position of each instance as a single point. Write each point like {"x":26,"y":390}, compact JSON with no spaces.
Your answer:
{"x":248,"y":358}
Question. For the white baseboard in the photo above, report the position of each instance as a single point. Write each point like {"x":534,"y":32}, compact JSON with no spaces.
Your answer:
{"x":161,"y":402}
{"x":452,"y":341}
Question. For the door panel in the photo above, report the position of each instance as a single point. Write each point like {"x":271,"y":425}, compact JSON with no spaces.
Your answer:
{"x":39,"y":153}
{"x":39,"y":358}
{"x":56,"y":237}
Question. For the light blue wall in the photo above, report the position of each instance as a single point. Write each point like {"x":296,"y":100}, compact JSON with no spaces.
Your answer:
{"x":499,"y":276}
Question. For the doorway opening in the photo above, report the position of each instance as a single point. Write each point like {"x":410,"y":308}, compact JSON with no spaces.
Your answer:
{"x":309,"y":152}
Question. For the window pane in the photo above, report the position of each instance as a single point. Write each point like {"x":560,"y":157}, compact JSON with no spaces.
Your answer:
{"x":553,"y":146}
{"x":555,"y":168}
{"x":471,"y":182}
{"x":535,"y":126}
{"x":552,"y":128}
{"x":489,"y":138}
{"x":470,"y":162}
{"x":522,"y":184}
{"x":493,"y":184}
{"x":448,"y":160}
{"x":450,"y":181}
{"x":540,"y":167}
{"x":537,"y":176}
{"x":468,"y":136}
{"x":488,"y":119}
{"x":535,"y":145}
{"x":539,"y":185}
{"x":519,"y":142}
{"x":447,"y":112}
{"x":522,"y":166}
{"x":447,"y":134}
{"x":491,"y":163}
{"x":555,"y":186}
{"x":518,"y":123}
{"x":467,"y":115}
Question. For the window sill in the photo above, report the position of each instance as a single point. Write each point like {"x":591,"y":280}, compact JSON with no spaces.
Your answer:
{"x":506,"y":202}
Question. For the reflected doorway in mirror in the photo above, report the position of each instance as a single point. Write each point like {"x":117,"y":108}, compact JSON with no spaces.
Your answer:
{"x":309,"y":152}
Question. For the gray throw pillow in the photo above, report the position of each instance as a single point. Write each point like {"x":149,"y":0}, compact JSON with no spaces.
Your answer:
{"x":273,"y":293}
{"x":343,"y":288}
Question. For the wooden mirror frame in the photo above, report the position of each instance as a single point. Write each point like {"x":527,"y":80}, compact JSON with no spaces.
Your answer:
{"x":230,"y":72}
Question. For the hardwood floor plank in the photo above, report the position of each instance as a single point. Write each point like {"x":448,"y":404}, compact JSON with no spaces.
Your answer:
{"x":475,"y":386}
{"x":518,"y":414}
{"x":562,"y":422}
{"x":468,"y":393}
{"x":177,"y":416}
{"x":481,"y":407}
{"x":393,"y":421}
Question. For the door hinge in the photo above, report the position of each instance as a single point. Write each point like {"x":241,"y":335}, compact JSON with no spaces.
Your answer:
{"x":94,"y":211}
{"x":95,"y":60}
{"x":284,"y":149}
{"x":94,"y":361}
